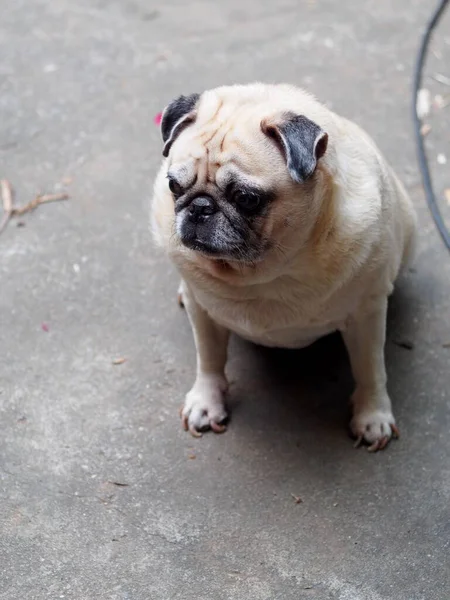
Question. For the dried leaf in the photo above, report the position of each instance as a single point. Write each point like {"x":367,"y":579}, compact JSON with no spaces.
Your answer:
{"x":425,"y":129}
{"x":119,"y":361}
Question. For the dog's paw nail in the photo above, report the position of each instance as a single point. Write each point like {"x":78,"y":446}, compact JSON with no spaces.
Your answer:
{"x":217,"y":427}
{"x":358,"y":441}
{"x":184,"y":422}
{"x":395,"y":431}
{"x":378,"y":445}
{"x":194,"y":432}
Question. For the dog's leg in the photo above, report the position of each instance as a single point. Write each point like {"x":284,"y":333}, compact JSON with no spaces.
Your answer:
{"x":204,"y":406}
{"x":364,"y":337}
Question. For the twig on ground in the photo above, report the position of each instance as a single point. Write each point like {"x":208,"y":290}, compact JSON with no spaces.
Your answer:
{"x":406,"y":344}
{"x":441,"y":78}
{"x":7,"y":201}
{"x":9,"y":210}
{"x":297,"y":499}
{"x":40,"y":199}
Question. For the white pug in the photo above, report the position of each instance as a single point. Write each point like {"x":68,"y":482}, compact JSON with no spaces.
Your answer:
{"x":286,"y":224}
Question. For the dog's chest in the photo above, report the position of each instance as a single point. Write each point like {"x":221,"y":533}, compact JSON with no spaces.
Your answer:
{"x":287,"y":318}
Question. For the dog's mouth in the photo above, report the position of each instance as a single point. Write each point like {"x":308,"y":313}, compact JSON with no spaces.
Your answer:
{"x":202,"y":247}
{"x":209,"y":244}
{"x":222,"y":256}
{"x":217,"y":239}
{"x":230,"y":258}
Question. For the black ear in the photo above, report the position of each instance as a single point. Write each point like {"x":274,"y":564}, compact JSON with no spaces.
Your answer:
{"x":176,"y":116}
{"x":301,"y":141}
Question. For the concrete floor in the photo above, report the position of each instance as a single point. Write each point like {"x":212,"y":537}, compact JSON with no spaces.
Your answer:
{"x":80,"y":83}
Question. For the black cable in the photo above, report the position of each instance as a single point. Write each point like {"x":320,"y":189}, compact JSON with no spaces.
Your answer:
{"x":421,"y":154}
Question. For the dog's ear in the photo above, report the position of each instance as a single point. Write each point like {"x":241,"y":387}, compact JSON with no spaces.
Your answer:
{"x":176,"y":116}
{"x":301,"y":141}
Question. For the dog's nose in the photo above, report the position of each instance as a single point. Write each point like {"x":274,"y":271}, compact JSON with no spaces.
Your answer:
{"x":201,"y":208}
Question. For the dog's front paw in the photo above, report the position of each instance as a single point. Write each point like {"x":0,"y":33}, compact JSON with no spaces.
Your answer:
{"x":375,"y":427}
{"x":204,"y":407}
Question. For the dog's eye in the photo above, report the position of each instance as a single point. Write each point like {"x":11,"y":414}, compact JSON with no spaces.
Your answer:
{"x":246,"y":201}
{"x":175,"y":187}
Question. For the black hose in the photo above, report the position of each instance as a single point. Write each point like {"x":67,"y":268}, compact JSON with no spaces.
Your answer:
{"x":421,"y":154}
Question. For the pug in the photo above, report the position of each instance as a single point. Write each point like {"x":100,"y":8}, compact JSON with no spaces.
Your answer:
{"x":286,"y":224}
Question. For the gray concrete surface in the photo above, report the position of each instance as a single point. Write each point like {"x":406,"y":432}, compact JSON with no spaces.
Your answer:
{"x":80,"y":83}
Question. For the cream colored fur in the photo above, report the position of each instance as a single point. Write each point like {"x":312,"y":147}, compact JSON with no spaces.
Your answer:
{"x":339,"y":243}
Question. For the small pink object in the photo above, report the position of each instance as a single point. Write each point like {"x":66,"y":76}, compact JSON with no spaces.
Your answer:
{"x":157,"y":119}
{"x":45,"y":327}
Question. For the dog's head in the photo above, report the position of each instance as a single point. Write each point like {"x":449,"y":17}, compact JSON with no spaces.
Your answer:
{"x":241,"y":170}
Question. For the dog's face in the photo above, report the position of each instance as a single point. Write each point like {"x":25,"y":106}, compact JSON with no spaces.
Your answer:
{"x":240,"y":172}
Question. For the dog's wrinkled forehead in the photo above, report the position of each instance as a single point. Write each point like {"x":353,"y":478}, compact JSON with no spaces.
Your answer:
{"x":208,"y":154}
{"x":213,"y":138}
